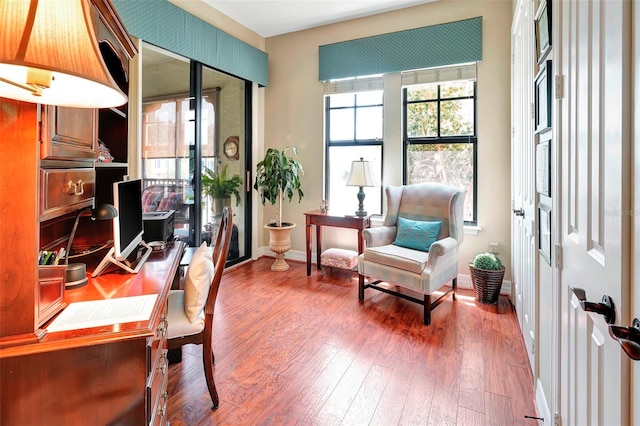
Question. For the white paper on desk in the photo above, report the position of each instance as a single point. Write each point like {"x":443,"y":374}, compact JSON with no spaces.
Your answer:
{"x":96,"y":313}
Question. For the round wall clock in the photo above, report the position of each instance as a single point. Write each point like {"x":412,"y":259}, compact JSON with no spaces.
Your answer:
{"x":231,"y":149}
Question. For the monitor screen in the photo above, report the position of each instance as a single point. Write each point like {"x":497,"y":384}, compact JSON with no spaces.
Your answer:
{"x":128,"y":226}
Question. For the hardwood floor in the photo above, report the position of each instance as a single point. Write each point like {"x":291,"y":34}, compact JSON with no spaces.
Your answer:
{"x":292,"y":349}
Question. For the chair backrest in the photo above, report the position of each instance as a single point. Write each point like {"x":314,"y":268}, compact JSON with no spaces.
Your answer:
{"x":220,"y":253}
{"x":430,"y":201}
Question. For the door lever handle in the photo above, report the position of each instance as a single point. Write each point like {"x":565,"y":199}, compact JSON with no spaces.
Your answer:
{"x":605,"y":308}
{"x":629,"y":338}
{"x":518,"y":212}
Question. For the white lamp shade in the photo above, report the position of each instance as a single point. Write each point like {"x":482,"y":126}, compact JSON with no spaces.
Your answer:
{"x":53,"y":43}
{"x":360,"y":174}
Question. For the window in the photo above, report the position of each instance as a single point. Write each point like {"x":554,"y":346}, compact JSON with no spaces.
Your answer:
{"x":439,"y":133}
{"x":353,"y":130}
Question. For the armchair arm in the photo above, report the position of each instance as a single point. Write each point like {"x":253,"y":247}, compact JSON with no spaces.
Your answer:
{"x":379,"y":236}
{"x":443,"y":260}
{"x":442,"y":246}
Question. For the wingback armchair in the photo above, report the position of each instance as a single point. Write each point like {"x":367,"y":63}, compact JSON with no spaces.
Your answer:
{"x":417,"y":247}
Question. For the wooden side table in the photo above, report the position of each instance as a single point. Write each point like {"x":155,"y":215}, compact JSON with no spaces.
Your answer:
{"x":319,"y":219}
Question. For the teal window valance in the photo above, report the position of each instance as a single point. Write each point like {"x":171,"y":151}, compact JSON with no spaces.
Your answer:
{"x":427,"y":47}
{"x":162,"y":24}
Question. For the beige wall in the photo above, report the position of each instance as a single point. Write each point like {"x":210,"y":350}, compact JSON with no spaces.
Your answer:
{"x":293,"y":115}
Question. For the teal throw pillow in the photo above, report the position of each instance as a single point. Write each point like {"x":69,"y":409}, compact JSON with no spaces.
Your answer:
{"x":416,"y":234}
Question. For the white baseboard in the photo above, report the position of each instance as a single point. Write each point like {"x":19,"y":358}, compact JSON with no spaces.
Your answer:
{"x":542,"y":406}
{"x":464,"y":280}
{"x":297,"y":255}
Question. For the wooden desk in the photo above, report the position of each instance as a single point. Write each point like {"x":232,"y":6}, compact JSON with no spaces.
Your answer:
{"x":315,"y":217}
{"x":115,"y":374}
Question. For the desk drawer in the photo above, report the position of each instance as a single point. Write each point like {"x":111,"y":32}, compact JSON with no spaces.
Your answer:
{"x":50,"y":292}
{"x":156,"y":344}
{"x":157,"y":373}
{"x":65,"y":190}
{"x":157,"y":395}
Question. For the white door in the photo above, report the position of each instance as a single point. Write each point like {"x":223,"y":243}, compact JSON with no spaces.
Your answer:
{"x":595,"y":138}
{"x":523,"y":245}
{"x":634,"y":311}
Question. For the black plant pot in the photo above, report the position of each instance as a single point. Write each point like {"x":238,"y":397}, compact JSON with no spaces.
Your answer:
{"x":487,"y":284}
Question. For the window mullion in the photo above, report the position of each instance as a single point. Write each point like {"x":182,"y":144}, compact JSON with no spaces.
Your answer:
{"x":439,"y":111}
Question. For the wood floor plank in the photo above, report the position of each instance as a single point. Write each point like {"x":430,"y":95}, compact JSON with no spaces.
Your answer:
{"x":498,"y":410}
{"x":366,"y":400}
{"x":419,"y":399}
{"x":298,"y":350}
{"x":468,"y":417}
{"x":322,"y":388}
{"x":472,"y":370}
{"x":389,"y":408}
{"x":338,"y":403}
{"x":444,"y":406}
{"x":520,"y":382}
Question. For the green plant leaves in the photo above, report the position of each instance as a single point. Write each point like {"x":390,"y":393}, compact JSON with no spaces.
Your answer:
{"x":217,"y":185}
{"x":277,"y":172}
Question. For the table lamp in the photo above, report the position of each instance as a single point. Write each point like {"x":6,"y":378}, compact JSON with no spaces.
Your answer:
{"x":50,"y":55}
{"x":361,"y":176}
{"x":76,"y":273}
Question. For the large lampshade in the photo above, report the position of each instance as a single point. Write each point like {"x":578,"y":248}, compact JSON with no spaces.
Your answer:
{"x":50,"y":55}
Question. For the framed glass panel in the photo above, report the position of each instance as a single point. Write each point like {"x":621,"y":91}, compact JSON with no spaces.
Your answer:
{"x":450,"y":164}
{"x":342,"y":198}
{"x":175,"y":153}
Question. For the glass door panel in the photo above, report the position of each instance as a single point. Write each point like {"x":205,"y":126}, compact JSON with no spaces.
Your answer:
{"x":224,"y":156}
{"x":176,"y":160}
{"x":167,"y":138}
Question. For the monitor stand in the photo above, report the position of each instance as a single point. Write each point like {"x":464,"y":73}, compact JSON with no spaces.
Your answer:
{"x":131,"y":267}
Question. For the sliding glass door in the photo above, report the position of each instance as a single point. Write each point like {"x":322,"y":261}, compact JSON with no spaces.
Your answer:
{"x":195,"y":172}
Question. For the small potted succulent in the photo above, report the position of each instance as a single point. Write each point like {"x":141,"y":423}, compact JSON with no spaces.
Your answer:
{"x":487,"y":273}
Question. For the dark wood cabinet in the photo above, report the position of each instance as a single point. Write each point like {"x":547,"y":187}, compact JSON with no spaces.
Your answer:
{"x":68,"y":134}
{"x":48,"y":175}
{"x":19,"y":215}
{"x":110,"y":374}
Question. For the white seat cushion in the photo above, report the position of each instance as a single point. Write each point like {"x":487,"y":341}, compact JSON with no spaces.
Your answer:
{"x":178,"y":323}
{"x":199,"y":278}
{"x":398,"y":257}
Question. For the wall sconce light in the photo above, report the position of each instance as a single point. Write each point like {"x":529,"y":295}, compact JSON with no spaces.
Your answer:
{"x":76,"y":273}
{"x":50,"y":55}
{"x":361,"y":176}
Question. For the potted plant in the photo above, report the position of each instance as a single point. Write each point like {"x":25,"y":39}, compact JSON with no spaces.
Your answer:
{"x":487,"y":273}
{"x":220,"y":188}
{"x":277,"y":177}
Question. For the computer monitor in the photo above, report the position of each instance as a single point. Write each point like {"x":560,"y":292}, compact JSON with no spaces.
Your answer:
{"x":128,"y":228}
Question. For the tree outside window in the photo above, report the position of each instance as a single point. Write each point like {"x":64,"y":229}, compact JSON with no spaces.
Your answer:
{"x":440,"y":137}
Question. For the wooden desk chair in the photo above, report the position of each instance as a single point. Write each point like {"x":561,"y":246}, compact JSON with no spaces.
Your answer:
{"x":190,"y":312}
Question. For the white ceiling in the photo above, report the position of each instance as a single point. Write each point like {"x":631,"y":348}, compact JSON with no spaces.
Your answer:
{"x":269,"y":18}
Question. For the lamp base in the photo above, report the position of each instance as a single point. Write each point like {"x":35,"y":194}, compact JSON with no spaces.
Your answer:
{"x":361,"y":211}
{"x":75,"y":275}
